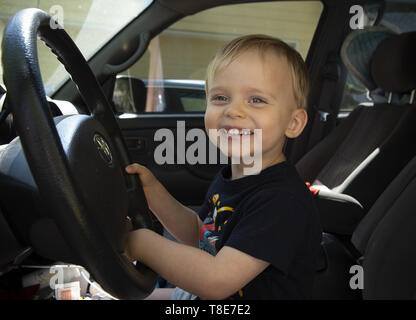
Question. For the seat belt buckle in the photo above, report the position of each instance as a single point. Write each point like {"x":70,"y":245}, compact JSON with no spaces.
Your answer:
{"x":312,"y":189}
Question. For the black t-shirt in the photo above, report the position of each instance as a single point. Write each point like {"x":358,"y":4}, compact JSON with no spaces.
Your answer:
{"x":270,"y":216}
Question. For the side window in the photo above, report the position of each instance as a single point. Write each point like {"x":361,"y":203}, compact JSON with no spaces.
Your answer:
{"x":355,"y":93}
{"x":170,"y":76}
{"x":380,"y":21}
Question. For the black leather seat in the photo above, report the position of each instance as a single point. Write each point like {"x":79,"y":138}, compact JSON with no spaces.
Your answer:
{"x":361,"y":156}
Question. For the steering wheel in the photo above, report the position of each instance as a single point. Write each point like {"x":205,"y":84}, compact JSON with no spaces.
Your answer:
{"x":78,"y":162}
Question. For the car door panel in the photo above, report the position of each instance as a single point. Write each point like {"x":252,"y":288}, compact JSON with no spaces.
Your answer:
{"x":187,"y":183}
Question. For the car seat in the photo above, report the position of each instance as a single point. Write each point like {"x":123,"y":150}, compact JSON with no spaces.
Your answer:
{"x":384,"y":242}
{"x":362,"y":155}
{"x":386,"y":237}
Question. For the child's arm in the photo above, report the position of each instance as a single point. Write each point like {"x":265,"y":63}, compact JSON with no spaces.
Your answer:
{"x":192,"y":269}
{"x":182,"y":222}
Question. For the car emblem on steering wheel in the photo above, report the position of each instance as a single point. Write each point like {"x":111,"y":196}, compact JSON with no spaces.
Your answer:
{"x":103,"y":149}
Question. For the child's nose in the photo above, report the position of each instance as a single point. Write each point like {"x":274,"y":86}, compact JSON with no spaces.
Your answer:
{"x":235,"y":110}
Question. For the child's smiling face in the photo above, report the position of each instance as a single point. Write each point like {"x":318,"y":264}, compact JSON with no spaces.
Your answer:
{"x":255,"y":92}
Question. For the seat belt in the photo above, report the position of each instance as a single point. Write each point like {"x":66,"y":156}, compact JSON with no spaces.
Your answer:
{"x":324,"y":112}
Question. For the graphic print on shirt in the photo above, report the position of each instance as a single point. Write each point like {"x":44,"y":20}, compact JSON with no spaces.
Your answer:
{"x":212,"y":225}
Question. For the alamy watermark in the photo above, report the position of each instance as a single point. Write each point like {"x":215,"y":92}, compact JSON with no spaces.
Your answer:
{"x":357,"y":20}
{"x":240,"y":145}
{"x":357,"y":280}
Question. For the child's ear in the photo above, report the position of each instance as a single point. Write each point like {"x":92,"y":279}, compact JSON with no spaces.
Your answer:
{"x":297,"y":123}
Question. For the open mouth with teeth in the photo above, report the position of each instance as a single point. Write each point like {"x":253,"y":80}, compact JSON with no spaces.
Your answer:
{"x":235,"y":132}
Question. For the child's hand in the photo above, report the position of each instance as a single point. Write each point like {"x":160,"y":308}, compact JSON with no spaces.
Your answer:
{"x":150,"y":184}
{"x":146,"y":176}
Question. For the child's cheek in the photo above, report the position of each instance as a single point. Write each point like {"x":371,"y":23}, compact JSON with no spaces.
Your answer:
{"x":211,"y":126}
{"x":211,"y":118}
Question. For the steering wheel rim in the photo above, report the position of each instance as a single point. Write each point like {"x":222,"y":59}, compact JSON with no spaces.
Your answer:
{"x":51,"y":152}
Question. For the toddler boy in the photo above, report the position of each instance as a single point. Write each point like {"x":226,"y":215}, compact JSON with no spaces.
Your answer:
{"x":256,"y":236}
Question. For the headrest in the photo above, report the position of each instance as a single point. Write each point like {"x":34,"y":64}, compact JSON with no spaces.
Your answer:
{"x":358,"y":49}
{"x":393,"y":66}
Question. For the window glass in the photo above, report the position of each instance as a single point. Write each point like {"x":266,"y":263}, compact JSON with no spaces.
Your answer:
{"x":355,"y":93}
{"x":90,"y":23}
{"x":397,"y":16}
{"x":176,"y":60}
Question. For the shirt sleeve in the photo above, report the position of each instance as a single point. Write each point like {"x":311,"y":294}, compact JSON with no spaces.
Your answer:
{"x":271,"y":228}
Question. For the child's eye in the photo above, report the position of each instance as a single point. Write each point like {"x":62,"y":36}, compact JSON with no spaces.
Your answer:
{"x":219,"y":98}
{"x":256,"y":100}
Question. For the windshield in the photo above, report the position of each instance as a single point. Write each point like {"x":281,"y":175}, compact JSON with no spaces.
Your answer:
{"x":90,"y":23}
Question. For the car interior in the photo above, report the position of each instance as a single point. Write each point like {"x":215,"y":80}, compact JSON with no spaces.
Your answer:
{"x":64,"y":203}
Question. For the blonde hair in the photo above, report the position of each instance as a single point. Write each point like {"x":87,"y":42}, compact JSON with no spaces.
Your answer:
{"x":263,"y":44}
